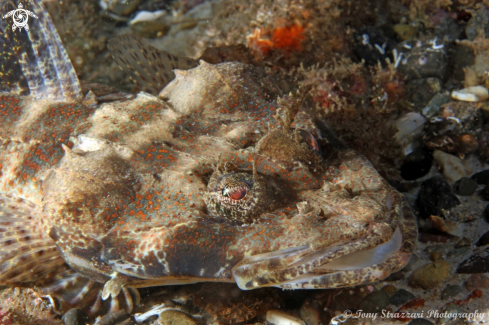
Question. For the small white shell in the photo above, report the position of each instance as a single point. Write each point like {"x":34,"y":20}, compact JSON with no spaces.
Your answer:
{"x":280,"y":318}
{"x":147,"y":16}
{"x":471,"y":94}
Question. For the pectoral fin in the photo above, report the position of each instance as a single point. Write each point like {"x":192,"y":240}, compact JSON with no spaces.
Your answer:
{"x":27,"y":254}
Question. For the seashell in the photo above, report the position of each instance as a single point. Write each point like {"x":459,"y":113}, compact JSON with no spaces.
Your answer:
{"x":471,"y":94}
{"x":144,"y":16}
{"x":410,"y":128}
{"x":280,"y":318}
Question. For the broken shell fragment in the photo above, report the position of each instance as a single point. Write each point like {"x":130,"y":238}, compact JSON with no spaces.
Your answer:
{"x":280,"y":318}
{"x":471,"y":94}
{"x":410,"y":128}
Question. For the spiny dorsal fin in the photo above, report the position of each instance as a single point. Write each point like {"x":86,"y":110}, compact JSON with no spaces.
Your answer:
{"x":27,"y":254}
{"x":151,"y":69}
{"x":35,"y":62}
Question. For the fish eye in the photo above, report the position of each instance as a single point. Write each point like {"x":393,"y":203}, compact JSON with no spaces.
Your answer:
{"x":238,"y":196}
{"x":234,"y":193}
{"x":310,"y":140}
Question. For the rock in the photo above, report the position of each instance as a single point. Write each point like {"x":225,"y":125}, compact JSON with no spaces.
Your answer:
{"x":478,"y":22}
{"x":461,"y":57}
{"x":405,"y":32}
{"x":429,"y":276}
{"x":390,"y":289}
{"x":482,"y":178}
{"x":464,"y":242}
{"x":484,"y":240}
{"x":436,"y":249}
{"x":401,"y":297}
{"x":150,"y":28}
{"x":451,"y":311}
{"x":421,"y":91}
{"x":450,"y":291}
{"x":465,"y":186}
{"x":75,"y":316}
{"x":471,"y":94}
{"x":452,"y":166}
{"x":422,"y":59}
{"x":417,"y":164}
{"x":436,"y":256}
{"x":312,"y":313}
{"x":374,"y":302}
{"x":434,"y":105}
{"x":174,"y":317}
{"x":349,"y":298}
{"x":477,"y":263}
{"x":477,"y":281}
{"x":486,"y":213}
{"x":435,"y":196}
{"x":372,"y":47}
{"x":420,"y":321}
{"x":458,"y":251}
{"x":120,"y":7}
{"x":449,"y":30}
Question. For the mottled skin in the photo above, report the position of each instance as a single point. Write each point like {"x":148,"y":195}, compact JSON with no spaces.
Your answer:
{"x":124,"y":197}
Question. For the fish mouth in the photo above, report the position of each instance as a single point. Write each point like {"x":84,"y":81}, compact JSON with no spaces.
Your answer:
{"x":378,"y":262}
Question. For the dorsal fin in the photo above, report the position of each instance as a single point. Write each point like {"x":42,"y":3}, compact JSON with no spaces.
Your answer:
{"x":151,"y":69}
{"x":33,"y":60}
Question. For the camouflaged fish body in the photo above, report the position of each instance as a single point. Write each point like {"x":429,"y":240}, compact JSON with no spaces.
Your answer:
{"x":222,"y":178}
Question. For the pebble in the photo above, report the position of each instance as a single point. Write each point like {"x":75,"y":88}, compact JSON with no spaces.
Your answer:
{"x":465,"y":186}
{"x":420,"y":321}
{"x":452,"y":166}
{"x":486,"y":213}
{"x":450,"y":291}
{"x":422,"y":59}
{"x":477,"y":263}
{"x":436,"y":256}
{"x":429,"y":276}
{"x":75,"y":316}
{"x":120,"y":7}
{"x":174,"y":317}
{"x":435,"y":104}
{"x":412,"y":262}
{"x":471,"y":94}
{"x":401,"y":297}
{"x":450,"y":310}
{"x":312,"y":313}
{"x":448,"y":29}
{"x":372,"y":47}
{"x":375,"y":302}
{"x":390,"y":289}
{"x":405,"y":32}
{"x":484,"y":240}
{"x":477,"y":281}
{"x":421,"y":91}
{"x":435,"y":196}
{"x":417,"y":164}
{"x":478,"y":22}
{"x":458,"y":251}
{"x":482,"y":178}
